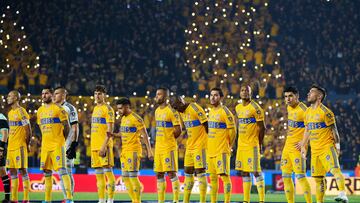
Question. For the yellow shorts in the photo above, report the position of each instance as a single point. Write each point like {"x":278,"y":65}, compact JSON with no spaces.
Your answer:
{"x":166,"y":161}
{"x":98,"y":161}
{"x":195,"y":158}
{"x":219,"y":164}
{"x":130,"y":161}
{"x":17,"y":158}
{"x":324,"y":162}
{"x":292,"y":161}
{"x":53,"y":160}
{"x":248,"y":159}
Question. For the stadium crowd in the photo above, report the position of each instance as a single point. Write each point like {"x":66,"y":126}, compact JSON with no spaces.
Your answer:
{"x":142,"y":47}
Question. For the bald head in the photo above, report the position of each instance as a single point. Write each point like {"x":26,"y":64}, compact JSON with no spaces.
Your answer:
{"x":13,"y":97}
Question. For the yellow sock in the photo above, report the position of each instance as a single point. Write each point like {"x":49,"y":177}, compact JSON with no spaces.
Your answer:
{"x":26,"y":187}
{"x":320,"y":188}
{"x":161,"y":187}
{"x":289,"y":187}
{"x":188,"y":185}
{"x":340,"y":180}
{"x":110,"y":182}
{"x":202,"y":186}
{"x":176,"y":188}
{"x":246,"y":188}
{"x":135,"y":182}
{"x":129,"y":186}
{"x":67,"y":186}
{"x":14,"y":187}
{"x":305,"y":187}
{"x":100,"y":183}
{"x":260,"y":185}
{"x":214,"y":187}
{"x":48,"y":186}
{"x":227,"y":187}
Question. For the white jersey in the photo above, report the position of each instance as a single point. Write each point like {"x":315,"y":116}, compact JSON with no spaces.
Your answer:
{"x":73,"y":119}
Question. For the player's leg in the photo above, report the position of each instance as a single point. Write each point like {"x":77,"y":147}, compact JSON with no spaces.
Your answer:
{"x":260,"y":183}
{"x":330,"y":161}
{"x":4,"y":176}
{"x":318,"y":173}
{"x":48,"y":184}
{"x":14,"y":184}
{"x":287,"y":169}
{"x":26,"y":184}
{"x":125,"y":175}
{"x":299,"y":167}
{"x":133,"y":175}
{"x":189,"y":174}
{"x":108,"y":162}
{"x":244,"y":166}
{"x":171,"y":162}
{"x":100,"y":177}
{"x":246,"y":186}
{"x":214,"y":183}
{"x":47,"y":166}
{"x":200,"y":171}
{"x":58,"y":159}
{"x":160,"y":176}
{"x":223,"y":170}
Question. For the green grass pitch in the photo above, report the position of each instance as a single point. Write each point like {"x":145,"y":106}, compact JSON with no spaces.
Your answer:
{"x":152,"y":196}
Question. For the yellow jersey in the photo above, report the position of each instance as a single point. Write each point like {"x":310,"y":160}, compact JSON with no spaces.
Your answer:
{"x":49,"y":119}
{"x":130,"y":127}
{"x":318,"y":122}
{"x":166,"y":118}
{"x":296,"y":126}
{"x":194,"y":116}
{"x":220,"y":119}
{"x":18,"y":119}
{"x":101,"y":116}
{"x":248,"y":130}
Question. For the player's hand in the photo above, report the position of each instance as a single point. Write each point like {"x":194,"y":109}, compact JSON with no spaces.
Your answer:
{"x":71,"y":152}
{"x":298,"y":145}
{"x":110,"y":134}
{"x":1,"y":153}
{"x":102,"y":152}
{"x":150,"y":156}
{"x":303,"y":152}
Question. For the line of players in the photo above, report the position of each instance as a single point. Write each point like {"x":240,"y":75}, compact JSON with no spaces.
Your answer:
{"x":209,"y":143}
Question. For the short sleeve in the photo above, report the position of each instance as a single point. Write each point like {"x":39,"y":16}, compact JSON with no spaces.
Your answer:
{"x":175,"y":117}
{"x":38,"y":116}
{"x":25,"y":118}
{"x":110,"y":117}
{"x":139,"y":123}
{"x":259,"y":114}
{"x":200,"y":113}
{"x":62,"y":114}
{"x":329,"y":118}
{"x":229,"y":118}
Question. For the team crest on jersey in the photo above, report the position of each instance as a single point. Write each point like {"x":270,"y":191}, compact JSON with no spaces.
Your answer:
{"x":238,"y":164}
{"x":328,"y":157}
{"x":230,"y":118}
{"x":57,"y":158}
{"x":249,"y":160}
{"x":317,"y":116}
{"x":283,"y":162}
{"x":219,"y":163}
{"x":17,"y":158}
{"x":200,"y":114}
{"x":297,"y":161}
{"x":167,"y":160}
{"x":329,"y":115}
{"x":258,"y":112}
{"x":129,"y":160}
{"x":198,"y":157}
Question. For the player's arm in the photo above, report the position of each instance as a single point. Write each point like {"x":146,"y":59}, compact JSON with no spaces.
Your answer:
{"x":232,"y":135}
{"x":206,"y":126}
{"x":177,"y":131}
{"x":28,"y":135}
{"x":146,"y":140}
{"x":261,"y":125}
{"x":110,"y":129}
{"x":336,"y":137}
{"x":304,"y":142}
{"x":66,"y":128}
{"x":4,"y":133}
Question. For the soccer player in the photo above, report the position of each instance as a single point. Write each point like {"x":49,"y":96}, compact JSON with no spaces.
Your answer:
{"x":72,"y":139}
{"x":251,"y":131}
{"x":196,"y":124}
{"x":221,"y":137}
{"x":18,"y":145}
{"x":291,"y":159}
{"x":102,"y":155}
{"x":166,"y":149}
{"x":54,"y":125}
{"x":4,"y":131}
{"x":321,"y":130}
{"x":132,"y":133}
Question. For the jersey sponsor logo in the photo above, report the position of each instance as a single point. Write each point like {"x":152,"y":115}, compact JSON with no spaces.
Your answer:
{"x":247,"y":120}
{"x":127,"y":129}
{"x":167,"y":160}
{"x":314,"y":126}
{"x":198,"y":157}
{"x":220,"y":125}
{"x":296,"y":124}
{"x":44,"y":121}
{"x":164,"y":124}
{"x":98,"y":120}
{"x":190,"y":124}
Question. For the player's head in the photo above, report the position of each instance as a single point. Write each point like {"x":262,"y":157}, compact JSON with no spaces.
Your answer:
{"x":178,"y":103}
{"x":99,"y":94}
{"x":291,"y":95}
{"x":13,"y":97}
{"x":59,"y":95}
{"x":162,"y":93}
{"x":216,"y":95}
{"x":47,"y":94}
{"x":316,"y":93}
{"x":123,"y":106}
{"x":245,"y":92}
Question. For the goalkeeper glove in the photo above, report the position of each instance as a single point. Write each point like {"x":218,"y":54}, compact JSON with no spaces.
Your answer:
{"x":71,"y":152}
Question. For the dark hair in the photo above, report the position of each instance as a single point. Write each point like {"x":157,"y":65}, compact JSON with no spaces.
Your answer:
{"x":219,"y":90}
{"x":49,"y":88}
{"x":291,"y":89}
{"x":166,"y":90}
{"x":100,"y":88}
{"x":321,"y":89}
{"x":123,"y":101}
